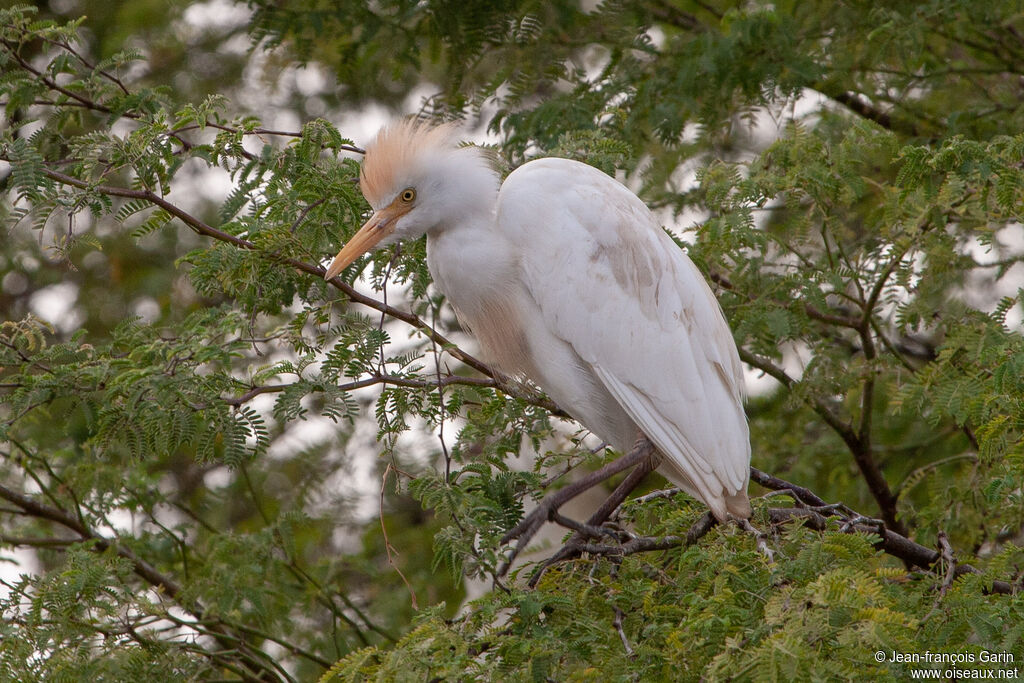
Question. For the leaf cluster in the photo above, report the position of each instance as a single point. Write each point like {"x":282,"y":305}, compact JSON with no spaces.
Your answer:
{"x":188,"y":526}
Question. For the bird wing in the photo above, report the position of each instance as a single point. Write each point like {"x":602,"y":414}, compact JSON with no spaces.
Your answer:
{"x":612,"y":284}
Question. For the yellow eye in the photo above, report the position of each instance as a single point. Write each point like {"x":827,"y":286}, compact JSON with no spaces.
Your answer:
{"x":408,"y":194}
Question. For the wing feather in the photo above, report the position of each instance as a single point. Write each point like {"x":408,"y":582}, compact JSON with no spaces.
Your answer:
{"x":609,"y":282}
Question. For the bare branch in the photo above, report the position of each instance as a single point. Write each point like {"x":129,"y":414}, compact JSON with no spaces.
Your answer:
{"x":812,"y":511}
{"x":949,"y":560}
{"x":803,"y":495}
{"x":617,"y":624}
{"x":890,"y":542}
{"x":37,"y":542}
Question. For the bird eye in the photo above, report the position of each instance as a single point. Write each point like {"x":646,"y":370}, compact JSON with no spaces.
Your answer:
{"x":408,"y":194}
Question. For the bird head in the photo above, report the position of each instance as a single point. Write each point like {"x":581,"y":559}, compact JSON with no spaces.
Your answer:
{"x":417,"y":180}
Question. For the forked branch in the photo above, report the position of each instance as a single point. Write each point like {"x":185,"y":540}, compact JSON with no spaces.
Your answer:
{"x":810,"y":510}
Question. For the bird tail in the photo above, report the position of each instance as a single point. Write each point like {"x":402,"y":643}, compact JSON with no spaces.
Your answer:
{"x":738,"y":505}
{"x":722,"y":504}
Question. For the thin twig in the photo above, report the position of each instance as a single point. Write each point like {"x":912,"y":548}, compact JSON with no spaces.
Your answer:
{"x":949,"y":560}
{"x":305,"y":212}
{"x":201,"y":227}
{"x":617,"y":623}
{"x":389,"y":549}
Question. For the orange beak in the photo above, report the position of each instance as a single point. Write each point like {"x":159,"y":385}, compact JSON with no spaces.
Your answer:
{"x":380,"y":225}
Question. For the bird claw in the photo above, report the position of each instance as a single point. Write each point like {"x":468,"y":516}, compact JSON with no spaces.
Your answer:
{"x":579,"y":542}
{"x":525,"y":531}
{"x":548,"y":512}
{"x":572,"y":549}
{"x":643,"y":456}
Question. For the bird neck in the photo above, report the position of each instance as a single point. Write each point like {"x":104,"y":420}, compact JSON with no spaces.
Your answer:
{"x":468,"y":257}
{"x":470,"y":261}
{"x":474,"y":265}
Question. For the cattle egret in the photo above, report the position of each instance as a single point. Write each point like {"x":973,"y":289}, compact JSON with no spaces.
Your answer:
{"x":565,"y":277}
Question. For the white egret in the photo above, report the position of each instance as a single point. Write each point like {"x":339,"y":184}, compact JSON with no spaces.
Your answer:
{"x":565,"y":277}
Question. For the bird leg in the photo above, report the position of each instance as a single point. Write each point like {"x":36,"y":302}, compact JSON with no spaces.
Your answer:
{"x":642,"y":451}
{"x":592,"y":528}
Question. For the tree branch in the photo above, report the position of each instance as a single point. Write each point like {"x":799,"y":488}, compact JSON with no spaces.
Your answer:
{"x":252,"y":656}
{"x":862,"y":455}
{"x":890,"y":542}
{"x":668,"y":13}
{"x":804,"y":495}
{"x":862,"y":107}
{"x":819,"y":405}
{"x":858,"y":446}
{"x":442,"y":381}
{"x":201,"y":227}
{"x":814,"y":513}
{"x":617,"y":625}
{"x":37,"y":542}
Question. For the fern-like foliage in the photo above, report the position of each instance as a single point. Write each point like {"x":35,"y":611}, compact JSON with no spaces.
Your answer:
{"x":223,"y":469}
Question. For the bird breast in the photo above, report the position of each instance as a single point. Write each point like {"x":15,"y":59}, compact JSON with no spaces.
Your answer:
{"x":498,"y":327}
{"x":478,"y":276}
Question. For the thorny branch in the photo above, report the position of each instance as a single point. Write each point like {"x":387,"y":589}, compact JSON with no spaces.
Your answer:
{"x":810,"y":510}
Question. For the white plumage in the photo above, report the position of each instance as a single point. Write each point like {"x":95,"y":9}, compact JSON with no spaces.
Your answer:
{"x":565,"y":276}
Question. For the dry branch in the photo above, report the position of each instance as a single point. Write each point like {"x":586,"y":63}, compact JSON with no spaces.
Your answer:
{"x":812,"y":511}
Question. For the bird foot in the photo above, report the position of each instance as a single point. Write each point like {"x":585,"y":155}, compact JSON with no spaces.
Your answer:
{"x":590,"y":530}
{"x":547,"y":510}
{"x":572,"y":549}
{"x":581,"y":541}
